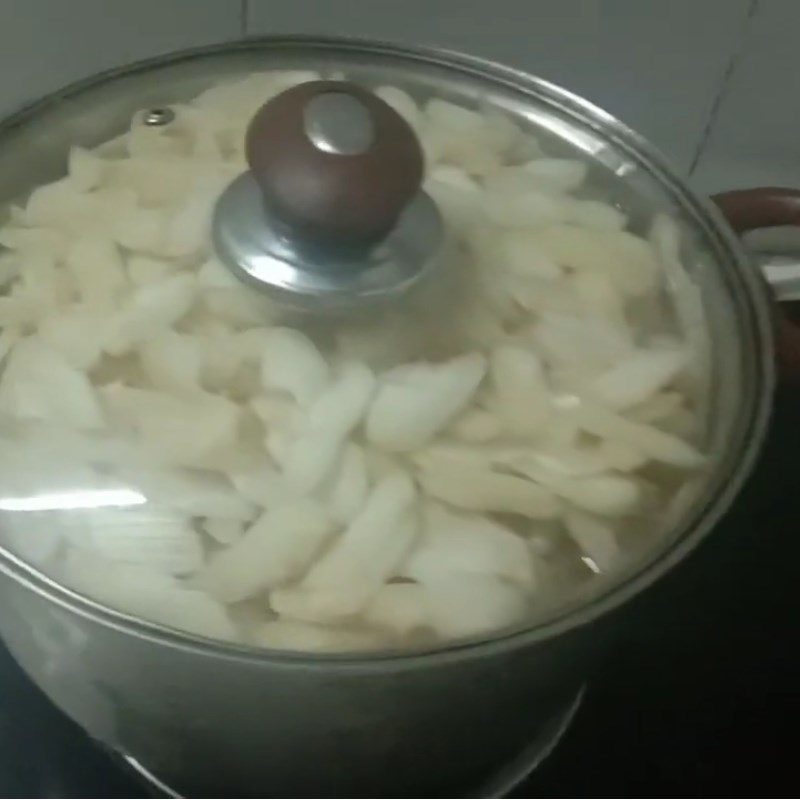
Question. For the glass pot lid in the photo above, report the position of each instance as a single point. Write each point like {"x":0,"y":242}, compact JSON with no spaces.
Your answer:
{"x":570,"y":397}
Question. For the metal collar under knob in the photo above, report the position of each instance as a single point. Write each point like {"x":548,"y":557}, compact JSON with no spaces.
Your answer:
{"x":330,"y":215}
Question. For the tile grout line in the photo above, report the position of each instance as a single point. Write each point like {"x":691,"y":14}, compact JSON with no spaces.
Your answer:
{"x":725,"y":84}
{"x":244,"y":14}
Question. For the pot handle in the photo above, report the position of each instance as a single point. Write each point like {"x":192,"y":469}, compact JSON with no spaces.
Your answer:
{"x":766,"y":207}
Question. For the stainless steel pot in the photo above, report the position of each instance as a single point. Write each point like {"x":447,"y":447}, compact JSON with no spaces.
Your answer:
{"x":218,"y":719}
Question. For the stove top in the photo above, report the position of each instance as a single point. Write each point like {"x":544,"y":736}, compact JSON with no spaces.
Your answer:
{"x":696,"y":700}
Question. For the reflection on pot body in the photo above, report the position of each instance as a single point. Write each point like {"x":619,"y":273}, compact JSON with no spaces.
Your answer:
{"x":212,"y":724}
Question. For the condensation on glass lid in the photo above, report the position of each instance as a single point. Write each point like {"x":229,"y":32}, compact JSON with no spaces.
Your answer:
{"x":179,"y":448}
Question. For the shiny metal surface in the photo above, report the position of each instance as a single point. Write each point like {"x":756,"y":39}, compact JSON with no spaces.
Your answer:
{"x":243,"y":721}
{"x":339,"y":123}
{"x":323,"y":279}
{"x":522,"y":767}
{"x":210,"y":725}
{"x":157,"y":117}
{"x":508,"y":777}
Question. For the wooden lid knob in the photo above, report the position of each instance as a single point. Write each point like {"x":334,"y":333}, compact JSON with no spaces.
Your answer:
{"x":335,"y":163}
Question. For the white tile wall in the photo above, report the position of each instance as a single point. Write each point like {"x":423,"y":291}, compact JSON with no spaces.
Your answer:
{"x":755,"y":137}
{"x":45,"y":44}
{"x":656,"y":64}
